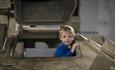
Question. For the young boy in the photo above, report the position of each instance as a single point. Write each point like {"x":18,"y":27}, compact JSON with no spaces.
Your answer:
{"x":68,"y":46}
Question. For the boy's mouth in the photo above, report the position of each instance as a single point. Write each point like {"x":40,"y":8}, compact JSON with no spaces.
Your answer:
{"x":67,"y":42}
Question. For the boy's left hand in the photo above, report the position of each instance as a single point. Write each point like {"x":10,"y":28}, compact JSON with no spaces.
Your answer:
{"x":74,"y":47}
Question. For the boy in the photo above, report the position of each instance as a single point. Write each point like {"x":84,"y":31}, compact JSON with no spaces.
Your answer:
{"x":68,"y":46}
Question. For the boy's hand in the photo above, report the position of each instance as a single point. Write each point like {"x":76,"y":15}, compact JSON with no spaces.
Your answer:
{"x":74,"y":47}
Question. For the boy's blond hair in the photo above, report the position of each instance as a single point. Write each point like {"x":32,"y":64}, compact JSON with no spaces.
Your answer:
{"x":67,"y":28}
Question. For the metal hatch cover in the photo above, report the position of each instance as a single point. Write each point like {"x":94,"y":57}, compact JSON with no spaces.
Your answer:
{"x":43,"y":12}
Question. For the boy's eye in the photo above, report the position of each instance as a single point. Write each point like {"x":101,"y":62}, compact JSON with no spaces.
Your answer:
{"x":70,"y":36}
{"x":64,"y":36}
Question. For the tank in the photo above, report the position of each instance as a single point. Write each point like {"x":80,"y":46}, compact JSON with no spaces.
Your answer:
{"x":32,"y":35}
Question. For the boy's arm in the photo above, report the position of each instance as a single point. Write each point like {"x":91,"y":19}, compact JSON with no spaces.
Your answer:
{"x":60,"y":53}
{"x":75,"y":46}
{"x":77,"y":49}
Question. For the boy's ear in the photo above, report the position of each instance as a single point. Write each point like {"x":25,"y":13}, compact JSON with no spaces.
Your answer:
{"x":59,"y":37}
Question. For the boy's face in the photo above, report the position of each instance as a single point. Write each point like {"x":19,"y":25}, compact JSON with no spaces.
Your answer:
{"x":66,"y":37}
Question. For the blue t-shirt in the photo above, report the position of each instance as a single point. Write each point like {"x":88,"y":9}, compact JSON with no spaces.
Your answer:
{"x":63,"y":51}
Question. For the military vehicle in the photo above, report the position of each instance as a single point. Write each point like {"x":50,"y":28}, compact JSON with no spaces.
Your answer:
{"x":29,"y":35}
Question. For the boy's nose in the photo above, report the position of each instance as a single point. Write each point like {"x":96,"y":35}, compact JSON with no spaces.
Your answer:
{"x":67,"y":38}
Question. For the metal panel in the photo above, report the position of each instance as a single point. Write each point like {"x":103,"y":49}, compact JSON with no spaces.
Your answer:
{"x":33,"y":52}
{"x":4,"y":4}
{"x":35,"y":12}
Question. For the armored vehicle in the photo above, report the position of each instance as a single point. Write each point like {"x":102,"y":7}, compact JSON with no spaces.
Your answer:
{"x":29,"y":36}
